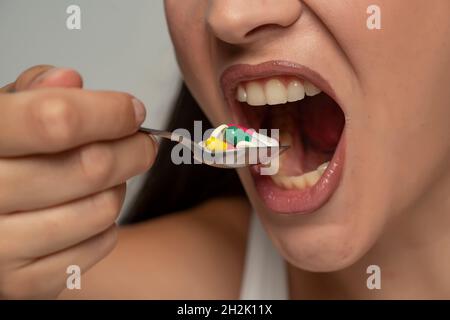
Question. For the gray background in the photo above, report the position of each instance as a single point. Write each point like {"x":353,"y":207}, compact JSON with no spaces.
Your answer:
{"x":122,"y":45}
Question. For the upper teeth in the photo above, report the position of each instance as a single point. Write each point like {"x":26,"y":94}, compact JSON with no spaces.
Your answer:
{"x":274,"y":91}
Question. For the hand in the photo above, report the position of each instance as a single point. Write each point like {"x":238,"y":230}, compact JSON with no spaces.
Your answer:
{"x":65,"y":155}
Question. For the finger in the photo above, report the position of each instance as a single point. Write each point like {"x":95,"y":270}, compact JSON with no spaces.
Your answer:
{"x":55,"y":78}
{"x":46,"y":277}
{"x":57,"y":119}
{"x":50,"y":180}
{"x":38,"y":233}
{"x":44,"y":76}
{"x":9,"y":88}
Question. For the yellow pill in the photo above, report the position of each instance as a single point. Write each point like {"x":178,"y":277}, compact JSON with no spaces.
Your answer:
{"x":215,"y":144}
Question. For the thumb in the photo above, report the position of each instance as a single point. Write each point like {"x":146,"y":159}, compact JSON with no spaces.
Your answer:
{"x":45,"y":76}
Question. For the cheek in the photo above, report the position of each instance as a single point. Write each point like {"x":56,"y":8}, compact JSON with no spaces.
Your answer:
{"x":401,"y":122}
{"x":192,"y":44}
{"x":183,"y":30}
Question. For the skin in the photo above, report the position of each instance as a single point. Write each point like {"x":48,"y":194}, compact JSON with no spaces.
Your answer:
{"x":391,"y":208}
{"x":65,"y":215}
{"x":59,"y":165}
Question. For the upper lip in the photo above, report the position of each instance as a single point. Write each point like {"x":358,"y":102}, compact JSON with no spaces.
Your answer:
{"x":238,"y":73}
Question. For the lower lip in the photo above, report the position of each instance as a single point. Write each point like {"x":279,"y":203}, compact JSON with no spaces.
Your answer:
{"x":304,"y":201}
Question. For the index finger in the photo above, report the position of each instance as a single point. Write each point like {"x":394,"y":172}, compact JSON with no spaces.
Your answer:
{"x":57,"y":119}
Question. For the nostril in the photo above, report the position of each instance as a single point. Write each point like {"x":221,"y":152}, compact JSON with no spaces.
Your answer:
{"x":238,"y":22}
{"x":263,"y":28}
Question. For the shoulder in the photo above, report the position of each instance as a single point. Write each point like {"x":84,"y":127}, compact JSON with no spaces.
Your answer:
{"x":194,"y":254}
{"x":202,"y":250}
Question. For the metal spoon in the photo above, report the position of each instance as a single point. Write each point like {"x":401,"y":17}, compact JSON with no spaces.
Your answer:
{"x":235,"y":158}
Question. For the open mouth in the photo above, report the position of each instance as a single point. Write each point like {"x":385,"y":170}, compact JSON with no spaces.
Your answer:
{"x":298,"y":102}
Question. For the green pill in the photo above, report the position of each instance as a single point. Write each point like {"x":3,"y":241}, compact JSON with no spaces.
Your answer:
{"x":234,"y":135}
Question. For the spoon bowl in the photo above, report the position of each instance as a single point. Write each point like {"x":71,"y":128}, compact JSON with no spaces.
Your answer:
{"x":228,"y":159}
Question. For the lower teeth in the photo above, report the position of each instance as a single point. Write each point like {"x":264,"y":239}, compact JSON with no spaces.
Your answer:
{"x":300,"y":182}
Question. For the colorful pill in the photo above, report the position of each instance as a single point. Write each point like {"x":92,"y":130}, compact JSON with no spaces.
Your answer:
{"x":233,"y":135}
{"x":246,"y":130}
{"x":237,"y":126}
{"x":214,"y":144}
{"x":218,"y":132}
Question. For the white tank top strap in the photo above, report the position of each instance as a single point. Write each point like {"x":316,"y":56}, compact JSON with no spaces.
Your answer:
{"x":265,"y":275}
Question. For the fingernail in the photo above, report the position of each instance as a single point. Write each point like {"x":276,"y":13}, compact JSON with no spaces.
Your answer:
{"x":44,"y":75}
{"x":139,"y":111}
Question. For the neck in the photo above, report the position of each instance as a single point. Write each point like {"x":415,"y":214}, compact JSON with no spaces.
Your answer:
{"x":413,"y":255}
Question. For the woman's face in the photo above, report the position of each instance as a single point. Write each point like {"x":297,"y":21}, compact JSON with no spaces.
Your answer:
{"x":381,"y":121}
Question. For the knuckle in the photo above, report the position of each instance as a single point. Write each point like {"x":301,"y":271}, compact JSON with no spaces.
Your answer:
{"x":97,"y":161}
{"x":107,"y":206}
{"x":55,"y":120}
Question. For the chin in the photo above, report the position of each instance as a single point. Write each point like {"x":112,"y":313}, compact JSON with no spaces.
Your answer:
{"x":331,"y":238}
{"x":320,"y":249}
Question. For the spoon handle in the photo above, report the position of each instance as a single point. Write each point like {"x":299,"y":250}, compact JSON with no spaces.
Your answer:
{"x":156,"y":132}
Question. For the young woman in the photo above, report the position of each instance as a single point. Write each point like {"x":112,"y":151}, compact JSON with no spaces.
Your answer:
{"x":374,"y":120}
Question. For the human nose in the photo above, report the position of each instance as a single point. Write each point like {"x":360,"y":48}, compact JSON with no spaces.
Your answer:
{"x":238,"y":21}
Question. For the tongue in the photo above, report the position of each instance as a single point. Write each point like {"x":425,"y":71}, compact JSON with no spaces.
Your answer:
{"x":312,"y":129}
{"x":321,"y":123}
